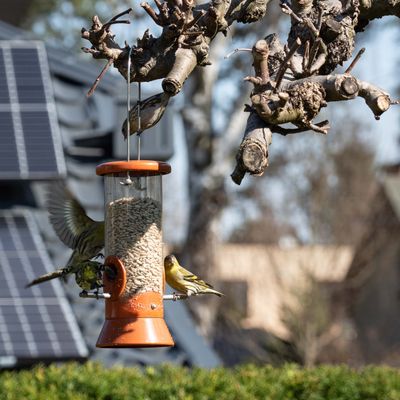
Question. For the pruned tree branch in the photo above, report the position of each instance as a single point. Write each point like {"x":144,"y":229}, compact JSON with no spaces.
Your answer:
{"x":252,"y":156}
{"x":183,"y":43}
{"x":292,"y":83}
{"x":371,"y":9}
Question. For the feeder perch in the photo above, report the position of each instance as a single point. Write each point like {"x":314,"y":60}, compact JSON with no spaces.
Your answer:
{"x":134,"y":273}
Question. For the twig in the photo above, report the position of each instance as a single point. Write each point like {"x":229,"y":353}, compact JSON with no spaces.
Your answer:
{"x":290,"y":131}
{"x":113,"y":20}
{"x":236,"y":51}
{"x":151,"y":13}
{"x":355,"y":61}
{"x":319,"y":23}
{"x":306,"y":57}
{"x":195,"y":20}
{"x":107,"y":25}
{"x":115,"y":17}
{"x":319,"y":129}
{"x":158,"y":4}
{"x":98,"y":79}
{"x":284,"y":66}
{"x":287,"y":10}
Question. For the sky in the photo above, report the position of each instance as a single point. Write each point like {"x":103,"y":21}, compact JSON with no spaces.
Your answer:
{"x":379,"y":65}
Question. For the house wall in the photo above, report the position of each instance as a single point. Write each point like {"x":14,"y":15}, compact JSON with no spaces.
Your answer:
{"x":376,"y":308}
{"x":273,"y":275}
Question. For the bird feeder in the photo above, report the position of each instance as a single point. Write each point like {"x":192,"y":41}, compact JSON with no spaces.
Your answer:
{"x":134,"y":272}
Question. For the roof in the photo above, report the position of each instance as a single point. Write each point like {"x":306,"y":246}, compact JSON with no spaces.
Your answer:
{"x":391,"y":186}
{"x":37,"y":322}
{"x":91,"y":127}
{"x":273,"y":273}
{"x":87,"y":126}
{"x":63,"y":62}
{"x":382,"y":230}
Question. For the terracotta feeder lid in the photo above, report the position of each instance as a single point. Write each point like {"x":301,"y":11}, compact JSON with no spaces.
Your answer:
{"x":136,"y":167}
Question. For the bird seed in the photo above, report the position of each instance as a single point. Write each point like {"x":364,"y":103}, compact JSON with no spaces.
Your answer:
{"x":133,"y":234}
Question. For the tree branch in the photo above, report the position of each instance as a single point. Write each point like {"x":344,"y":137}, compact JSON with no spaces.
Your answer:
{"x":291,"y":83}
{"x":371,"y":9}
{"x":252,"y":156}
{"x":183,"y":43}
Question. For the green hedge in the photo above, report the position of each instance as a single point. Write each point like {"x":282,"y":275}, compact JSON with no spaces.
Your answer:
{"x":94,"y":382}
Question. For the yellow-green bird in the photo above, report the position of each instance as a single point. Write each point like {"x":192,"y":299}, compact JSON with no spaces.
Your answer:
{"x":73,"y":226}
{"x":75,"y":229}
{"x":87,"y":275}
{"x":183,"y":280}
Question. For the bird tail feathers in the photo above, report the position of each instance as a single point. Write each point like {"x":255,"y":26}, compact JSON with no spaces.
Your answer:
{"x":212,"y":291}
{"x":47,"y":277}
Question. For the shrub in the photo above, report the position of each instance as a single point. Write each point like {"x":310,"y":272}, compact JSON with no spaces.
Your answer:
{"x":93,"y":381}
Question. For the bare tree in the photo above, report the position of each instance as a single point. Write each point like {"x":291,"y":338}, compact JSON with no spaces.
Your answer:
{"x":291,"y":84}
{"x":307,"y":318}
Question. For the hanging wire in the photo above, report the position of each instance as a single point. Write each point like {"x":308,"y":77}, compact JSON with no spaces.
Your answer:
{"x":139,"y":118}
{"x":128,"y":106}
{"x":128,"y":180}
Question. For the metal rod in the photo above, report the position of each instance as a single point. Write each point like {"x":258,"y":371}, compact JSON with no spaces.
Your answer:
{"x":128,"y":106}
{"x":175,"y":297}
{"x":139,"y":117}
{"x":128,"y":180}
{"x":97,"y":296}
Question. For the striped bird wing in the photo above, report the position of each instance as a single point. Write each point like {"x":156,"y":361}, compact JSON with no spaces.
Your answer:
{"x":67,"y":215}
{"x":190,"y":277}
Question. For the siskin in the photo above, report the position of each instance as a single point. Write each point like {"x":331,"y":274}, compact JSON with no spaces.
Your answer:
{"x":77,"y":231}
{"x":87,"y":275}
{"x":151,"y":111}
{"x":183,"y":280}
{"x":73,"y":226}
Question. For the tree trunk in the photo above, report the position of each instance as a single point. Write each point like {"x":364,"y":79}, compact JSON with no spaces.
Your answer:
{"x":206,"y":190}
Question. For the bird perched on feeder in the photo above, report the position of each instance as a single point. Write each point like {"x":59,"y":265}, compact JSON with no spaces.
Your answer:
{"x":151,"y":111}
{"x":77,"y":231}
{"x":183,"y":280}
{"x":87,"y":275}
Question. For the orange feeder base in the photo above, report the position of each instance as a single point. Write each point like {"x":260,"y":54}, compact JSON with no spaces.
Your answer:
{"x":132,"y":322}
{"x":130,"y":332}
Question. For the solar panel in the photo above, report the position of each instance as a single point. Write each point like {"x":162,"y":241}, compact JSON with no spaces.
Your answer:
{"x":30,"y":142}
{"x":35,"y":323}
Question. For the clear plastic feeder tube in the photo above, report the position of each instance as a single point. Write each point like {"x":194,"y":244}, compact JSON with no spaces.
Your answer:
{"x":133,"y":230}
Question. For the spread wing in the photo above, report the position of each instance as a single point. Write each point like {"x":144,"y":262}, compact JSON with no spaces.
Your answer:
{"x":67,"y":215}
